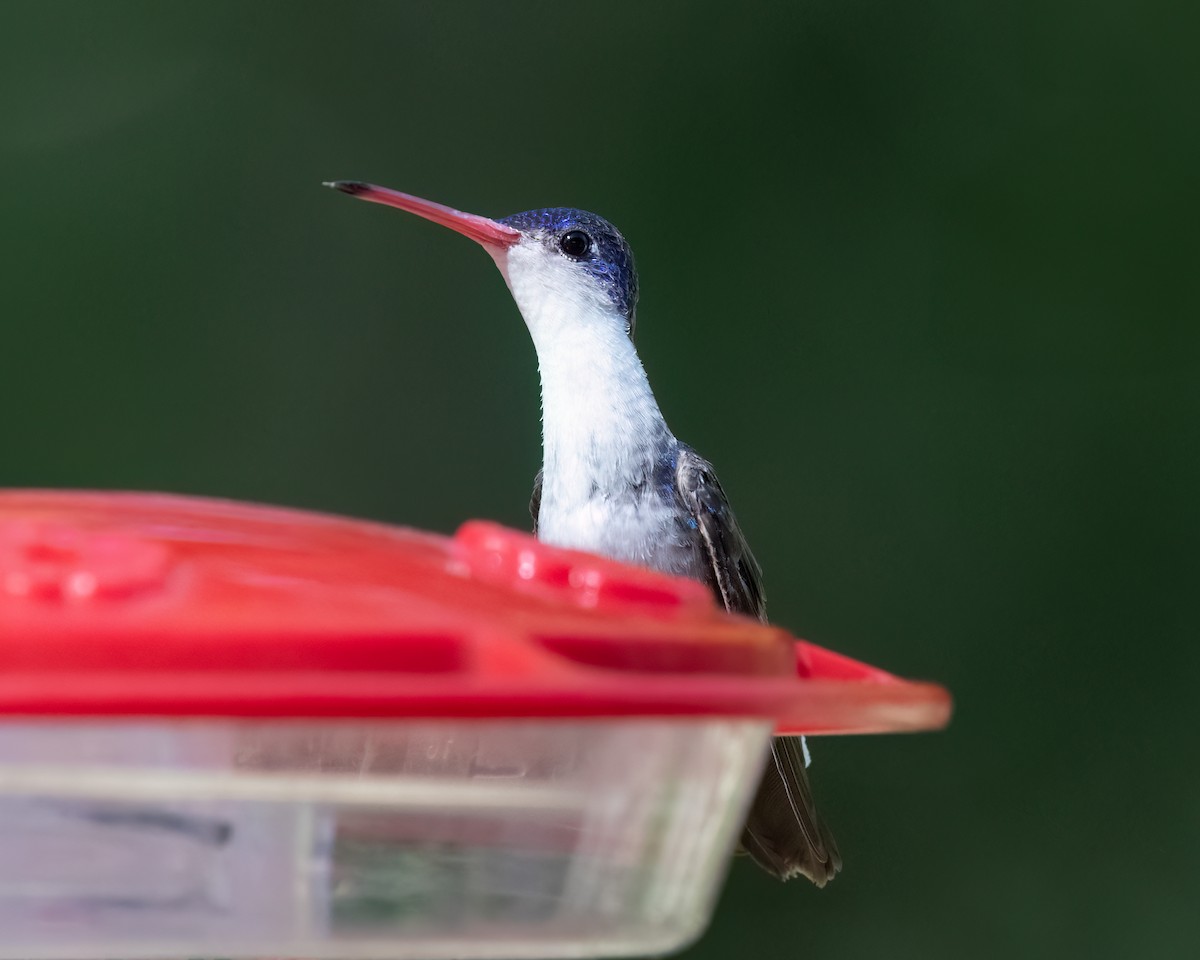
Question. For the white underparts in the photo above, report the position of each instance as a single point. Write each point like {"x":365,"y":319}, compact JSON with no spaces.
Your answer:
{"x":601,"y":426}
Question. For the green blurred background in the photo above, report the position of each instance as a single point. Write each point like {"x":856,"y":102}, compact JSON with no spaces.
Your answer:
{"x":921,"y":280}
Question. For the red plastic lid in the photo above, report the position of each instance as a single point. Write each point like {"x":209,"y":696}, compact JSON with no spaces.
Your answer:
{"x":120,"y":604}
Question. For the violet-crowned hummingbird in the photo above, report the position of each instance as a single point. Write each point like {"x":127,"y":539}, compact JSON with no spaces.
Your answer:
{"x":614,"y":479}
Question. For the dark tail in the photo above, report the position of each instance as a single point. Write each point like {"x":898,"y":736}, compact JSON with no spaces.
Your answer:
{"x":783,"y":833}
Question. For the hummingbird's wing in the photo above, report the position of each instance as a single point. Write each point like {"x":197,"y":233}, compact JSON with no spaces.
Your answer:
{"x":783,"y":833}
{"x":733,"y":574}
{"x":535,"y":501}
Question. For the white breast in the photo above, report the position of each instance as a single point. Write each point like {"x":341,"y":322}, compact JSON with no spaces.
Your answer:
{"x":644,"y":532}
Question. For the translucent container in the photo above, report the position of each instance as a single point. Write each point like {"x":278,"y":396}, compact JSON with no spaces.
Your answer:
{"x":243,"y":732}
{"x":351,"y":839}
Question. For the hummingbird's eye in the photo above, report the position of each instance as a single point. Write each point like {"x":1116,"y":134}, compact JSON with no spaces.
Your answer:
{"x":575,"y":244}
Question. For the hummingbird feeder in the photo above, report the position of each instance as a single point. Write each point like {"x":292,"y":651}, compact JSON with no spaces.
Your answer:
{"x":238,"y":731}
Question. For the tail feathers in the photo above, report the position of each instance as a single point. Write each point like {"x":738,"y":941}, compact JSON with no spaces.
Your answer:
{"x":783,"y":833}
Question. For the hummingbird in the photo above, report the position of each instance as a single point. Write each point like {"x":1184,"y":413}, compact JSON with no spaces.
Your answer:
{"x":614,"y":478}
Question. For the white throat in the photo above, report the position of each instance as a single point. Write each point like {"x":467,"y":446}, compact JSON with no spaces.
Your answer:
{"x":601,"y":426}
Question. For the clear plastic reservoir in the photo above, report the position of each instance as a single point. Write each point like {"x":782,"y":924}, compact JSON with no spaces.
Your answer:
{"x":443,"y":838}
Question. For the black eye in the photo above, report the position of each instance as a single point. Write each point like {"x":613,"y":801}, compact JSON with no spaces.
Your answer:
{"x":575,"y":244}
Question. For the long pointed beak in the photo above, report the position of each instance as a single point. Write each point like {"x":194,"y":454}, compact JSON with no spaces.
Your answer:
{"x":480,"y":229}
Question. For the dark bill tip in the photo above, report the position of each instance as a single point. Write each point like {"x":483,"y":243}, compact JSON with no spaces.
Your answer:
{"x":351,"y":187}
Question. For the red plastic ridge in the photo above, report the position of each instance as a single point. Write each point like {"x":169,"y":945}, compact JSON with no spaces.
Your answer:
{"x":121,"y":604}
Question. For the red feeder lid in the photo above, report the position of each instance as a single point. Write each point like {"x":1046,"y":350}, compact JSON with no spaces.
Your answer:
{"x":129,"y":604}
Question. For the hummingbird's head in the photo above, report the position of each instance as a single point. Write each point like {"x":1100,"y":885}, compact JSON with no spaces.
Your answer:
{"x":566,"y":268}
{"x":574,"y":258}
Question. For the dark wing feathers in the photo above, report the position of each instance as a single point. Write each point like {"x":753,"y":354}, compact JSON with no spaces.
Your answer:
{"x":736,"y":577}
{"x":783,"y":833}
{"x":535,"y":501}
